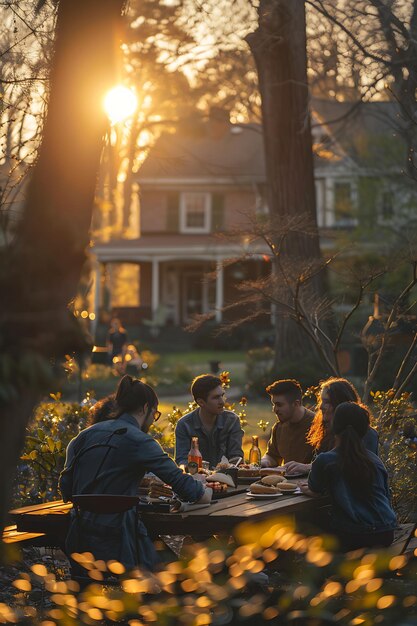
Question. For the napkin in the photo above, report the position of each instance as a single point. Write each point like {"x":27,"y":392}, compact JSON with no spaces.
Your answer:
{"x":184,"y":507}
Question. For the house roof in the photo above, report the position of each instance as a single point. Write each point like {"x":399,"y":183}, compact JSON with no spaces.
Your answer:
{"x":370,"y":133}
{"x":169,"y":246}
{"x":237,"y":155}
{"x":364,"y":135}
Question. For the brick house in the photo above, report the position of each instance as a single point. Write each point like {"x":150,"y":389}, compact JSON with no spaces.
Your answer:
{"x":198,"y":188}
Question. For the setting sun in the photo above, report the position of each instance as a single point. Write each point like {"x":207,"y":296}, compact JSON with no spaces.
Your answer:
{"x":119,"y":103}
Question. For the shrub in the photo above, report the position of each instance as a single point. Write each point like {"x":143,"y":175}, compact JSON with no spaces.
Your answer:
{"x":396,"y":423}
{"x":53,"y":426}
{"x":260,"y":371}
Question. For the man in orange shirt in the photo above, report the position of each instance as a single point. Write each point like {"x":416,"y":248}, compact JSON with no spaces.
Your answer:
{"x":288,"y":436}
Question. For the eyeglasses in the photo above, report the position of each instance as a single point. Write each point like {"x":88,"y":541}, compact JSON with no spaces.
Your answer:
{"x":156,"y":416}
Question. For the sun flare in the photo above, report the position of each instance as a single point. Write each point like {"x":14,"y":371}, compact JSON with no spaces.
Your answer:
{"x":119,"y":103}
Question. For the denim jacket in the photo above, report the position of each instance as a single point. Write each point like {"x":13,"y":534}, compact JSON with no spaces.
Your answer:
{"x":111,"y":457}
{"x":225,"y":439}
{"x":350,"y":513}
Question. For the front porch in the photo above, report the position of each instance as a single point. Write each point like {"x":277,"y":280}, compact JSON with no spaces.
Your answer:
{"x":158,"y":289}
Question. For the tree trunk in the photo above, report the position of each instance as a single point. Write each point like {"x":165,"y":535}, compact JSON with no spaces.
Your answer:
{"x":279,"y":48}
{"x":40,"y":273}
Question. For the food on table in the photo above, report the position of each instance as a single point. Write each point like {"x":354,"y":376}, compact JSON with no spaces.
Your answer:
{"x":272,"y":471}
{"x":204,"y":471}
{"x":248,"y":471}
{"x":286,"y":486}
{"x":218,"y":486}
{"x":220,"y":478}
{"x":272,"y":480}
{"x":222,"y":466}
{"x":158,"y":489}
{"x":260,"y":488}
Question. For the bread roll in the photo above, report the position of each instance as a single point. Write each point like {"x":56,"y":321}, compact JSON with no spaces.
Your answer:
{"x":221,"y":478}
{"x":260,"y":488}
{"x":272,"y":479}
{"x":272,"y":471}
{"x":286,"y":486}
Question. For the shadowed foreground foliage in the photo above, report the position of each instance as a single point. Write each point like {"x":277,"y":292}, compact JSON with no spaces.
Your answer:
{"x":217,"y":584}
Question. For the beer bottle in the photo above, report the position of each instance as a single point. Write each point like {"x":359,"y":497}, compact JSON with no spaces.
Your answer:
{"x":195,"y":460}
{"x":254,"y":452}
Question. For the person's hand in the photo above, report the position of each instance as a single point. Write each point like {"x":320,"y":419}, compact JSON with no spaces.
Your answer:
{"x":304,"y":488}
{"x":265,"y":463}
{"x":292,"y":467}
{"x":206,"y":497}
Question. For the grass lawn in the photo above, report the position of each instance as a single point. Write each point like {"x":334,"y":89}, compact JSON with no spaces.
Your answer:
{"x":100,"y":380}
{"x":198,"y":362}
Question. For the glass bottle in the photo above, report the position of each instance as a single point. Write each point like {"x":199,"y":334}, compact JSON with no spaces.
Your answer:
{"x":195,"y":460}
{"x":254,"y":452}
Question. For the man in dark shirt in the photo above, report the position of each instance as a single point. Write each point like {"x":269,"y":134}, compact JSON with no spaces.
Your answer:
{"x":288,"y":435}
{"x":219,"y":432}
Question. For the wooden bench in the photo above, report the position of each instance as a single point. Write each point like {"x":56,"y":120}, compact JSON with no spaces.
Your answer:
{"x":12,"y":535}
{"x":405,"y":536}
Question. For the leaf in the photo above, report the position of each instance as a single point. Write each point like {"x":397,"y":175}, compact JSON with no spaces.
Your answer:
{"x":51,"y":444}
{"x":33,"y":455}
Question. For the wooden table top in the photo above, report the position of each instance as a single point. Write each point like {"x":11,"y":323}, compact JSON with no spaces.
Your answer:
{"x":222,"y":516}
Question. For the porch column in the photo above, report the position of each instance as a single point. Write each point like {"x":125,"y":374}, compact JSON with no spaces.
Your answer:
{"x":96,"y":298}
{"x":155,"y":287}
{"x":219,"y":291}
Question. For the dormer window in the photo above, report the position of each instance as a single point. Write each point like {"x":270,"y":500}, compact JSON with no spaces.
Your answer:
{"x":195,"y":212}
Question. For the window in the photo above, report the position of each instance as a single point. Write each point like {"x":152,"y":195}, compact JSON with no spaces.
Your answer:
{"x":124,"y":284}
{"x":342,"y":200}
{"x":195,"y":213}
{"x":343,"y":204}
{"x":387,"y":209}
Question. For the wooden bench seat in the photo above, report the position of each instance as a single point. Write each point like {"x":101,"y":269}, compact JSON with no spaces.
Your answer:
{"x":403,"y":537}
{"x":12,"y":535}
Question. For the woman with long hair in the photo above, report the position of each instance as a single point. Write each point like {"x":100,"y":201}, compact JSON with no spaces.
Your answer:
{"x":356,"y":481}
{"x":332,"y":392}
{"x":104,"y":409}
{"x":111,"y":457}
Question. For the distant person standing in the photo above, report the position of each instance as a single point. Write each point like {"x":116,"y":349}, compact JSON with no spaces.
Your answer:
{"x":116,"y":340}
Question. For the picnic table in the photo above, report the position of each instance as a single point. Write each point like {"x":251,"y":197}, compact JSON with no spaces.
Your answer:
{"x":221,"y":517}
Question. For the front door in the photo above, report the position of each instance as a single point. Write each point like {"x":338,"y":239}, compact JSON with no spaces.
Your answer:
{"x":193,"y":300}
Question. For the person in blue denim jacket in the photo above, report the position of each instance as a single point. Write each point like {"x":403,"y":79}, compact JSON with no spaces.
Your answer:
{"x":219,"y":431}
{"x":111,"y":457}
{"x":357,"y":483}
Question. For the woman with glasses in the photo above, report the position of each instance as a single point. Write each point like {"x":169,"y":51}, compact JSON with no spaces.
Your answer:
{"x":332,"y":392}
{"x":111,"y":457}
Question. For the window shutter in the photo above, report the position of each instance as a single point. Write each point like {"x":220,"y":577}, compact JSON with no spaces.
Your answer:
{"x":217,"y":211}
{"x":173,"y":212}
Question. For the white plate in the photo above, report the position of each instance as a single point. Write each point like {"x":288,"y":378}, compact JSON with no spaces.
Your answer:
{"x":292,"y":493}
{"x":263,"y":496}
{"x":299,"y":475}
